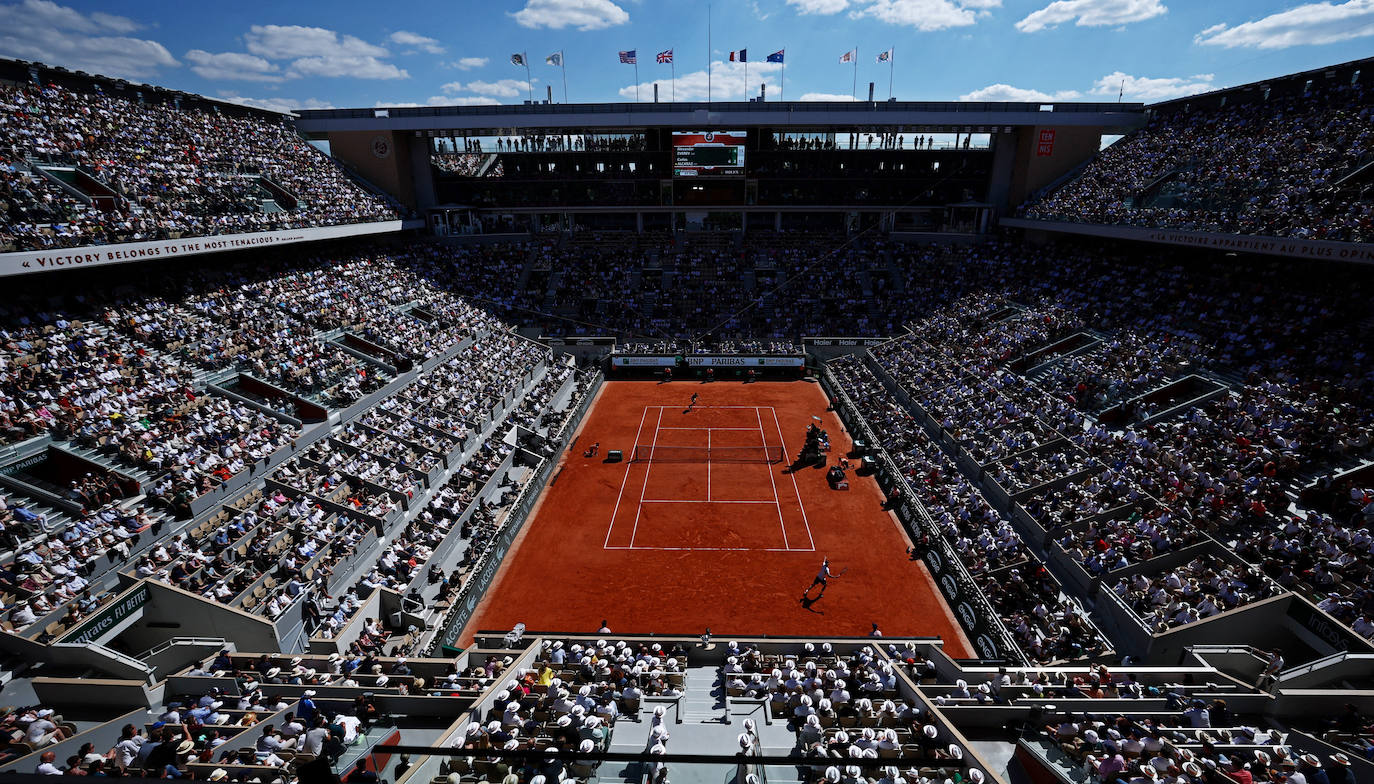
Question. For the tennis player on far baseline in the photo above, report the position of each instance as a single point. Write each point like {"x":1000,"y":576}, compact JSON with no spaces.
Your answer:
{"x":821,"y":577}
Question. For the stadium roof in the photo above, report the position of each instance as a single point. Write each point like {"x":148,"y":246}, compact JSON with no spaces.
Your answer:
{"x":809,"y":115}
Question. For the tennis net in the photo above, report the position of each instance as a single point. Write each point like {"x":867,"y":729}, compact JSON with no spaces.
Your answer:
{"x":647,"y":453}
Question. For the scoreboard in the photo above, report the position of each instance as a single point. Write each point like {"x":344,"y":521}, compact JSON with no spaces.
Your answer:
{"x":708,"y":153}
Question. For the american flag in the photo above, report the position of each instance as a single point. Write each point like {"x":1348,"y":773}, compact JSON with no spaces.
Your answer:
{"x":665,"y":57}
{"x":628,"y":57}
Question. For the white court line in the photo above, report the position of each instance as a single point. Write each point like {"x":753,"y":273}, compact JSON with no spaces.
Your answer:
{"x":610,"y":527}
{"x":640,"y":509}
{"x":795,"y":489}
{"x":713,"y":549}
{"x":676,"y":501}
{"x":721,"y":406}
{"x":707,"y":428}
{"x":773,"y":481}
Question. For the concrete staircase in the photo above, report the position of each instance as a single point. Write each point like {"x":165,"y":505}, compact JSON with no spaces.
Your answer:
{"x":703,"y":699}
{"x":101,"y":459}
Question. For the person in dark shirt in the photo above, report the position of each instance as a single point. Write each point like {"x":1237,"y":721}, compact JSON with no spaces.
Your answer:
{"x":1339,"y":771}
{"x":163,"y":754}
{"x":222,"y":662}
{"x":360,"y":774}
{"x":1310,"y":766}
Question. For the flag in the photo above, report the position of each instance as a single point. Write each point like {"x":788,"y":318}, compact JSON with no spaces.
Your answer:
{"x":554,"y":59}
{"x":742,"y":56}
{"x":628,"y":57}
{"x":775,"y":57}
{"x":848,"y":57}
{"x":517,"y":59}
{"x":665,"y":56}
{"x":884,"y":56}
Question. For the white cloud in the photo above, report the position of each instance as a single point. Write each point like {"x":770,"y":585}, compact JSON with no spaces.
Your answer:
{"x":415,"y":42}
{"x":1137,"y":88}
{"x":461,"y":100}
{"x":233,"y":66}
{"x":825,"y":97}
{"x":927,"y":15}
{"x":469,"y":63}
{"x":1006,"y":92}
{"x":501,"y":88}
{"x":726,"y":83}
{"x":1311,"y":24}
{"x":277,"y":104}
{"x":317,"y":51}
{"x":582,"y":14}
{"x":45,"y":31}
{"x":1091,"y":13}
{"x":1140,"y":88}
{"x":357,"y":67}
{"x":287,"y":42}
{"x":819,"y":6}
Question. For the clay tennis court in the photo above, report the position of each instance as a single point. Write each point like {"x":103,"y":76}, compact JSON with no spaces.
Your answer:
{"x":704,"y":525}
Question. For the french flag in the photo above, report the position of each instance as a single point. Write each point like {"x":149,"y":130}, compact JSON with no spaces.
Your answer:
{"x":742,"y":56}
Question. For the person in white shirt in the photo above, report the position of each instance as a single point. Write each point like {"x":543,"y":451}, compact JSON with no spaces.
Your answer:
{"x":126,"y":750}
{"x":40,"y":727}
{"x":47,"y":765}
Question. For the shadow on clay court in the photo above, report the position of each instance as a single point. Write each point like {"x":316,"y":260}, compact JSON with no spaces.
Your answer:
{"x":808,"y":603}
{"x":801,"y":462}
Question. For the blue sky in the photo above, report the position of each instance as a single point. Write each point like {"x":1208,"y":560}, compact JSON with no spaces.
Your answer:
{"x":317,"y":54}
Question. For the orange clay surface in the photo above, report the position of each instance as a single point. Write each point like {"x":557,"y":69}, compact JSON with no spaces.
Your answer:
{"x":675,"y":547}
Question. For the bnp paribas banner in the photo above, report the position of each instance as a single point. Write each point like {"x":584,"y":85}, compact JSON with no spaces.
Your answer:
{"x":1238,"y":243}
{"x":29,"y":261}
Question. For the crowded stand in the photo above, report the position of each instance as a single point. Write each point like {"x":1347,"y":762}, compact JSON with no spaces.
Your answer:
{"x":702,"y":294}
{"x":1045,"y":622}
{"x":1270,"y":165}
{"x":1109,"y":492}
{"x":177,"y":172}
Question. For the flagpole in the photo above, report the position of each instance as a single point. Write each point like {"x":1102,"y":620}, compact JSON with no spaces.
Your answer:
{"x":708,"y":52}
{"x":636,"y":77}
{"x":746,"y":77}
{"x":854,"y":88}
{"x":782,"y":88}
{"x":563,"y":61}
{"x":891,"y":66}
{"x":529,"y":81}
{"x":672,"y":65}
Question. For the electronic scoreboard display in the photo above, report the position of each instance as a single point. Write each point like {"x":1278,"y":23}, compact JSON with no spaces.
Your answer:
{"x":708,"y":153}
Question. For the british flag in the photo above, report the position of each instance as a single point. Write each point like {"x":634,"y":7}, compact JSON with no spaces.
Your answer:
{"x":665,"y":57}
{"x":628,"y":57}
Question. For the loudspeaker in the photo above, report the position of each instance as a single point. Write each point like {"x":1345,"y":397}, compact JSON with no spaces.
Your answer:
{"x":614,"y":456}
